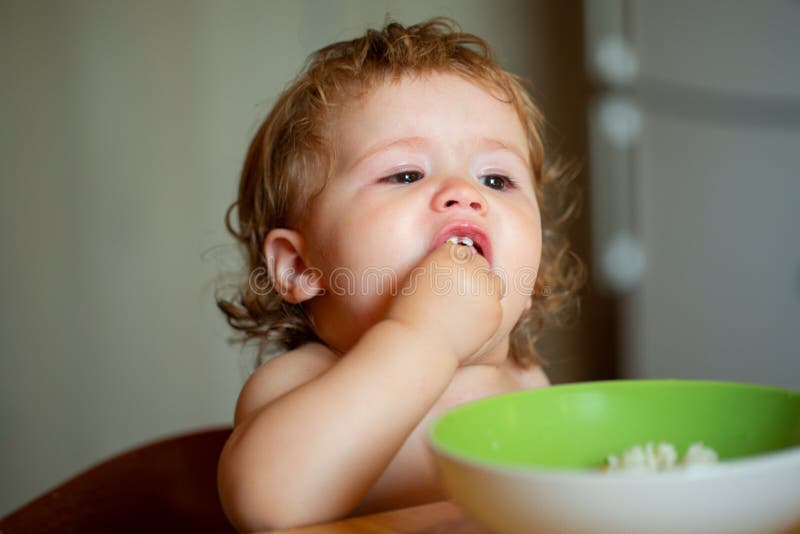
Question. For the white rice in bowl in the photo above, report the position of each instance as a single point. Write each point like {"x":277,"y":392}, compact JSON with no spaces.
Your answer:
{"x":661,"y":457}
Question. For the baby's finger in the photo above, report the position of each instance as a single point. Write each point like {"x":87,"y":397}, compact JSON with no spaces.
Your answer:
{"x":460,"y":254}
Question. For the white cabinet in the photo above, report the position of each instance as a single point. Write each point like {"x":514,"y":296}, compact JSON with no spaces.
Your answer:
{"x":714,"y":183}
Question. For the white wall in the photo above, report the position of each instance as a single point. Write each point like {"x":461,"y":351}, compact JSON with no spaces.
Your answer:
{"x":123,"y":130}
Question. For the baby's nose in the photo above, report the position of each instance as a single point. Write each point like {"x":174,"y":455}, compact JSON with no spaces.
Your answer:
{"x":457,"y":193}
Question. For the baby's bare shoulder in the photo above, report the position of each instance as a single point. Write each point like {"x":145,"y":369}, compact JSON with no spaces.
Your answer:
{"x":281,"y":375}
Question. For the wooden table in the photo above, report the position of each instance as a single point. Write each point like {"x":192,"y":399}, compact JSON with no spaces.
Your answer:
{"x":437,"y":518}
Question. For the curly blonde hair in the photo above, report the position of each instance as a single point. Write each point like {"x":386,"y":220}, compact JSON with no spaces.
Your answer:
{"x":290,"y":158}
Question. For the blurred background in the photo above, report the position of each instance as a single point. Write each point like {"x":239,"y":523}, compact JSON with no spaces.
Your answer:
{"x":124,"y":126}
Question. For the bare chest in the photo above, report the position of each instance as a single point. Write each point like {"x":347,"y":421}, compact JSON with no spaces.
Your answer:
{"x":410,"y":478}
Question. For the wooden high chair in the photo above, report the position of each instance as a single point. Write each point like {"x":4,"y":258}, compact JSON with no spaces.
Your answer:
{"x":167,"y":485}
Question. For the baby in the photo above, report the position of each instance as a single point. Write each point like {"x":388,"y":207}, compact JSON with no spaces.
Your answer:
{"x":392,"y":207}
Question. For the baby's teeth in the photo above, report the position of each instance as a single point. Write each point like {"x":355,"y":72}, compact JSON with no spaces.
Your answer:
{"x":466,"y":241}
{"x":453,"y":240}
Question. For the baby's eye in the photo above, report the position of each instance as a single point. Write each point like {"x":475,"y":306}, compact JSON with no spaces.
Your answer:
{"x":403,"y":177}
{"x":497,"y":181}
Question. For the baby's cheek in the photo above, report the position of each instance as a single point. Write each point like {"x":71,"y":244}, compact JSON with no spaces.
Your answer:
{"x":522,"y":267}
{"x":514,"y":304}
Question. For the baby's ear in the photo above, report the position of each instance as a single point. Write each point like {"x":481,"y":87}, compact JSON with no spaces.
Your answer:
{"x":292,"y":278}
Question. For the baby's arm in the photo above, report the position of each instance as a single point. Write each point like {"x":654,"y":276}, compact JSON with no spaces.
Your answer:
{"x":311,"y":454}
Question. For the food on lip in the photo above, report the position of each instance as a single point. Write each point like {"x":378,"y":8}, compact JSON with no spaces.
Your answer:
{"x":465,"y":242}
{"x":660,"y":458}
{"x":460,"y":240}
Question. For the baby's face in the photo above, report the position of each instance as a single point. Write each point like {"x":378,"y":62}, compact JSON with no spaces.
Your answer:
{"x":417,"y":161}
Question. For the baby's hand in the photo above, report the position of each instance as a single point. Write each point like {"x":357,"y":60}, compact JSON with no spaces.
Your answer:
{"x":452,"y":298}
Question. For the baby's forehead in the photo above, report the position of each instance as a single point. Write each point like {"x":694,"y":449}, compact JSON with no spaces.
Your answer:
{"x":394,"y":98}
{"x":353,"y":95}
{"x":440,"y":105}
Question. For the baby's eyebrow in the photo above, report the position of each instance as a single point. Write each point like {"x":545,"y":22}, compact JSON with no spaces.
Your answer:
{"x":418,"y":141}
{"x":497,"y":144}
{"x":409,"y":142}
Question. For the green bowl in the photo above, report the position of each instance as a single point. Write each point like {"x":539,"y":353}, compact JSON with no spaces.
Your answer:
{"x":529,"y":461}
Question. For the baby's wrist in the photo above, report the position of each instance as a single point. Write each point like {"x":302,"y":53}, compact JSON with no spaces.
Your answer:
{"x":423,"y":340}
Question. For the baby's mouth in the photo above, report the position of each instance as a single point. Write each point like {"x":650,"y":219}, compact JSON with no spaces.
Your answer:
{"x":465,"y":234}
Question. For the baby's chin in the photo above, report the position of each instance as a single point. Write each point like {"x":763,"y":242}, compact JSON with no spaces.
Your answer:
{"x":494,"y":352}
